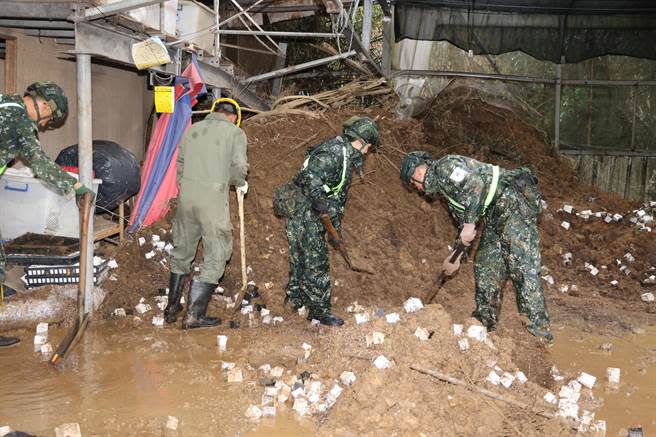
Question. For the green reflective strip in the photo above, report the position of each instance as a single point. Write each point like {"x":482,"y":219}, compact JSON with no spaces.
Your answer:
{"x":455,"y":204}
{"x":2,"y":169}
{"x":493,"y":187}
{"x":336,"y":189}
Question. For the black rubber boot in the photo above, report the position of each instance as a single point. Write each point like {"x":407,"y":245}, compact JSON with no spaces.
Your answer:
{"x":8,"y":341}
{"x":173,"y":307}
{"x":200,"y":294}
{"x":327,"y":319}
{"x":7,"y":290}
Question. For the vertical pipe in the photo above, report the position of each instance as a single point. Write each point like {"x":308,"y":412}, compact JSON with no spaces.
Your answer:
{"x":366,"y":23}
{"x":85,"y":158}
{"x":217,"y":46}
{"x":281,"y":62}
{"x":559,"y":73}
{"x":388,"y":44}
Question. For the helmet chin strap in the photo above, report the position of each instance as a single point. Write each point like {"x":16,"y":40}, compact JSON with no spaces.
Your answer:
{"x":36,"y":109}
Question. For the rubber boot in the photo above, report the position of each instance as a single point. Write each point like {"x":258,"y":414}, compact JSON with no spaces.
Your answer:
{"x":8,"y":341}
{"x":328,"y":319}
{"x":173,"y":307}
{"x":200,"y":294}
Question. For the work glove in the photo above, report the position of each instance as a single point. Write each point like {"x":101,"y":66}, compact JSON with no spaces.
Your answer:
{"x":450,"y":268}
{"x":468,"y":233}
{"x":320,"y":205}
{"x":243,"y":189}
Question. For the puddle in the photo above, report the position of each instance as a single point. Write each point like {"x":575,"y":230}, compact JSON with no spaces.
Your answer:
{"x":126,"y":382}
{"x":633,"y":403}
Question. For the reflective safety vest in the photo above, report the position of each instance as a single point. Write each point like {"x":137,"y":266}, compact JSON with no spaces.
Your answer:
{"x":8,"y":105}
{"x":337,"y":188}
{"x":490,"y":192}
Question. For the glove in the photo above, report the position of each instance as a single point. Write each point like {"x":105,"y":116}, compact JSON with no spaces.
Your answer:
{"x":468,"y":233}
{"x":243,"y":189}
{"x":320,"y":205}
{"x":450,"y":268}
{"x":83,"y":189}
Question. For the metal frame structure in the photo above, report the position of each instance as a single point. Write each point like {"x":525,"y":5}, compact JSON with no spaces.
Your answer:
{"x":103,"y":31}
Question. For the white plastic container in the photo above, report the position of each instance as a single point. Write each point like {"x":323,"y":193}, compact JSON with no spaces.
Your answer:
{"x":30,"y":205}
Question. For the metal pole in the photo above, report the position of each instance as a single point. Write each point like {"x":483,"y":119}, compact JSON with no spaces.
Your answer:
{"x":299,"y":67}
{"x":217,"y":47}
{"x":276,"y":87}
{"x":366,"y":23}
{"x":388,"y":45}
{"x":276,"y":33}
{"x":85,"y":158}
{"x":557,"y":109}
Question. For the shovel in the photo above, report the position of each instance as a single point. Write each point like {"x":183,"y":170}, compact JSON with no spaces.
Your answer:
{"x":341,"y":246}
{"x":74,"y":335}
{"x":244,"y":278}
{"x":441,"y":278}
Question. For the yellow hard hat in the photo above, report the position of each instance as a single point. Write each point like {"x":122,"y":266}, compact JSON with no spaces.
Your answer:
{"x":228,"y":105}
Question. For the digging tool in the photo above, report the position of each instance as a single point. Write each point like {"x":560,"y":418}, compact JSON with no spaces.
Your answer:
{"x":242,"y":241}
{"x":74,"y":335}
{"x":441,"y":278}
{"x":340,"y":245}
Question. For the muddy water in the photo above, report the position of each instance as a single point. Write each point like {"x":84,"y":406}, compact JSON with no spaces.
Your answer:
{"x":127,"y":381}
{"x":633,"y":403}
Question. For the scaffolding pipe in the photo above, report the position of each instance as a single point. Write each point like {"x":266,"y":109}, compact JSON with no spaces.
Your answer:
{"x":276,"y":33}
{"x":85,"y":158}
{"x":559,"y":72}
{"x":299,"y":67}
{"x":366,"y":23}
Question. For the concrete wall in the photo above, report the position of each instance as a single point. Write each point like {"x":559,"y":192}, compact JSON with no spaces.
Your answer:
{"x":2,"y":75}
{"x":118,"y":94}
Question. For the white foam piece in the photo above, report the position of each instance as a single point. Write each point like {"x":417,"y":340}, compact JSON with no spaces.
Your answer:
{"x":613,"y":375}
{"x":253,"y":412}
{"x":565,"y":225}
{"x":457,"y":329}
{"x":412,"y":305}
{"x":422,"y":333}
{"x":586,"y":380}
{"x":222,"y":342}
{"x":382,"y":362}
{"x":392,"y":318}
{"x":477,"y":332}
{"x":463,"y":344}
{"x":521,"y":377}
{"x":361,"y":318}
{"x":493,"y":378}
{"x":347,"y":378}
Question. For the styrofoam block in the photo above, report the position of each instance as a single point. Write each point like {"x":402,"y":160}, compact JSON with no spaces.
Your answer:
{"x":158,"y":321}
{"x":361,"y":318}
{"x":235,"y":375}
{"x":141,"y":241}
{"x":247,"y":309}
{"x":301,"y":406}
{"x":142,"y":308}
{"x":550,"y":398}
{"x":40,"y":340}
{"x":46,"y":349}
{"x":477,"y":332}
{"x":278,"y":319}
{"x":222,"y":342}
{"x":568,"y":209}
{"x":586,"y":380}
{"x":594,"y":271}
{"x":493,"y":378}
{"x":630,"y":258}
{"x":277,"y":371}
{"x":302,"y":311}
{"x":225,"y":365}
{"x":172,"y":423}
{"x":412,"y":305}
{"x":42,"y":328}
{"x":392,"y":318}
{"x":507,"y":379}
{"x":264,"y":312}
{"x":155,"y":238}
{"x":457,"y":329}
{"x":463,"y":344}
{"x":382,"y":362}
{"x":647,"y":297}
{"x":613,"y":375}
{"x":149,"y":255}
{"x":568,"y":409}
{"x":375,"y":338}
{"x":306,"y":346}
{"x":253,"y":412}
{"x":568,"y":393}
{"x":521,"y":377}
{"x":565,"y":225}
{"x":549,"y":279}
{"x":266,"y":368}
{"x":68,"y":430}
{"x":269,"y":411}
{"x":347,"y":378}
{"x":266,"y":319}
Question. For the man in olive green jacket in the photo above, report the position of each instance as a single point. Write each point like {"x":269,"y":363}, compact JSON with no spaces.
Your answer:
{"x":211,"y":158}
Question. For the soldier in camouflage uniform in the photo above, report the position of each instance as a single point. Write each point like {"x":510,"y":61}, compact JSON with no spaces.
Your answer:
{"x":43,"y":106}
{"x":323,"y":185}
{"x":508,"y":202}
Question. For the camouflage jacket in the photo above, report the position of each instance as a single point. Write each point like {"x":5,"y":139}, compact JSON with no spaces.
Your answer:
{"x":463,"y":182}
{"x":18,"y":136}
{"x":327,"y":173}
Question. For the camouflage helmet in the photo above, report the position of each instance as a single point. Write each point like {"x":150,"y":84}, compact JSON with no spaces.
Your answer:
{"x":361,"y":128}
{"x":54,"y":95}
{"x":410,"y":162}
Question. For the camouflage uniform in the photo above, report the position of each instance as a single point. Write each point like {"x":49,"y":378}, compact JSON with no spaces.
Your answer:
{"x":328,"y":166}
{"x":509,"y":244}
{"x":212,"y":157}
{"x":18,"y":136}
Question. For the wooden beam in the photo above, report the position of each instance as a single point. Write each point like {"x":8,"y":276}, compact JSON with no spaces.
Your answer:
{"x":11,"y":66}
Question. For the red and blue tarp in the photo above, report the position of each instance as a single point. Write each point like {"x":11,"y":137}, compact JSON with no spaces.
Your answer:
{"x":158,"y":175}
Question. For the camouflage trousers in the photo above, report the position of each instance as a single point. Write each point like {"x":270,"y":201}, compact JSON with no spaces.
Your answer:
{"x":309,"y":266}
{"x":510,"y":247}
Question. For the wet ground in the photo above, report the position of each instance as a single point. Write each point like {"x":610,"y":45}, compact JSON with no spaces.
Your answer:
{"x":632,"y":403}
{"x":128,"y":383}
